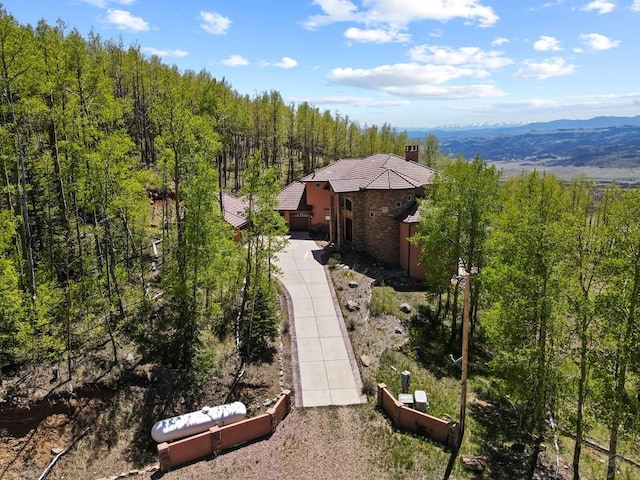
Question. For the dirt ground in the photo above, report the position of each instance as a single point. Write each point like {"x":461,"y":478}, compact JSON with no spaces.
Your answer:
{"x":111,"y":414}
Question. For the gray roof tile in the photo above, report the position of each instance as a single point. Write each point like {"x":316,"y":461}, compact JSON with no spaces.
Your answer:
{"x":376,"y":172}
{"x":233,"y":210}
{"x":292,"y":197}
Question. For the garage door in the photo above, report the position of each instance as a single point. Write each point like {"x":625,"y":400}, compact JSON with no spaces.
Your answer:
{"x":299,"y":222}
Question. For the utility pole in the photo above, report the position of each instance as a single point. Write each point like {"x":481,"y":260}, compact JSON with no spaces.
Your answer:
{"x":465,"y":352}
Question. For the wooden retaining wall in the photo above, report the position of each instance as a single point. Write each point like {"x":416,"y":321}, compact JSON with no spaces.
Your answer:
{"x":217,"y":439}
{"x":441,"y":431}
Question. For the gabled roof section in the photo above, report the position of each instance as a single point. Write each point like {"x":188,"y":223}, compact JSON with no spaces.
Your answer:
{"x":292,"y":197}
{"x":234,"y":210}
{"x":377,"y":172}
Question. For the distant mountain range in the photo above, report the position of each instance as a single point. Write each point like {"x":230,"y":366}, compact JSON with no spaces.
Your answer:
{"x":608,"y":142}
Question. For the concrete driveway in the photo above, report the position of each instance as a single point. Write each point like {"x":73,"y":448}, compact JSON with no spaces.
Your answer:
{"x":324,"y":367}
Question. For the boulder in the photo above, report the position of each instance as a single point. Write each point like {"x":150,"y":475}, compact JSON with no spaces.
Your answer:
{"x":352,"y":306}
{"x":406,"y":308}
{"x":365,"y":360}
{"x":474,"y":463}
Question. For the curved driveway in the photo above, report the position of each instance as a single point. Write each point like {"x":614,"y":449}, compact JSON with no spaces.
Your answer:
{"x":324,"y":367}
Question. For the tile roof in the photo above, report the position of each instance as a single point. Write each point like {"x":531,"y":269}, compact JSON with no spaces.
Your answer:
{"x":233,"y":210}
{"x":292,"y":197}
{"x":411,"y":214}
{"x":378,"y":172}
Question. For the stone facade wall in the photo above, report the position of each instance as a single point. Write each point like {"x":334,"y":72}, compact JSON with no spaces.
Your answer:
{"x":375,"y":229}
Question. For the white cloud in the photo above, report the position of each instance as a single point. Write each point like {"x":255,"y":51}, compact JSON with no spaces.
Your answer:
{"x":286,"y":63}
{"x":215,"y":23}
{"x":589,"y":103}
{"x":376,"y":35}
{"x":235,"y":61}
{"x":334,"y":11}
{"x":542,"y":70}
{"x":447,"y":92}
{"x":546,"y":44}
{"x":401,"y":12}
{"x":636,"y":6}
{"x":601,"y":6}
{"x":468,"y":56}
{"x":123,"y":20}
{"x":595,"y":41}
{"x":165,"y":53}
{"x":414,"y":80}
{"x":499,"y":41}
{"x":104,"y":3}
{"x":346,"y":100}
{"x":400,"y":75}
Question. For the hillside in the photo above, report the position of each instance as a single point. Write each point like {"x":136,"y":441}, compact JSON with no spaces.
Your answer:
{"x":603,"y":142}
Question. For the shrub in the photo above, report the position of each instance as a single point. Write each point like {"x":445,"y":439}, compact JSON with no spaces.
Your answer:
{"x":383,"y":301}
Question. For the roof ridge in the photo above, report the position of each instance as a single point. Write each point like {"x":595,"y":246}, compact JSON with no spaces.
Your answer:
{"x":385,"y":170}
{"x":409,"y":179}
{"x":311,"y":175}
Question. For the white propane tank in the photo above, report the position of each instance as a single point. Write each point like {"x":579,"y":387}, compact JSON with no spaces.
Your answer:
{"x":197,"y":422}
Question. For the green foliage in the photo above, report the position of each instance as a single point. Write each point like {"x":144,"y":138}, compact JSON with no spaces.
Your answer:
{"x":259,"y":326}
{"x":11,"y":304}
{"x":525,"y":281}
{"x":264,"y":237}
{"x":383,"y":301}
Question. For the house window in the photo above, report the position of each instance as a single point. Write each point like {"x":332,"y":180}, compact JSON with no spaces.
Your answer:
{"x":409,"y":198}
{"x":398,"y":204}
{"x":373,"y":214}
{"x":327,"y":215}
{"x":348,"y":205}
{"x":384,"y":209}
{"x":317,"y":184}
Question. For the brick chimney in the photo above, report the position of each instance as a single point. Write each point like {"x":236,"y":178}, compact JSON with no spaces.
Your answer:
{"x":411,"y":153}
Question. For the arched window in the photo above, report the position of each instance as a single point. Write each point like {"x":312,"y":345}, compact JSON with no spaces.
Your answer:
{"x":347,"y":204}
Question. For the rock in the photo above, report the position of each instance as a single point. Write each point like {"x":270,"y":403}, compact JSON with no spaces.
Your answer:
{"x":352,"y":306}
{"x":399,"y":330}
{"x":406,"y":308}
{"x":474,"y":463}
{"x":129,"y":358}
{"x":353,"y":284}
{"x":366,"y":360}
{"x":267,"y":403}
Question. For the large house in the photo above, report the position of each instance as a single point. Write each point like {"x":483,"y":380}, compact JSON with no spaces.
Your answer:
{"x":368,"y":204}
{"x":234,"y":212}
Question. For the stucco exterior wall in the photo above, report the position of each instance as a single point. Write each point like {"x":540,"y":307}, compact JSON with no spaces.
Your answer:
{"x":318,"y":198}
{"x":409,"y":253}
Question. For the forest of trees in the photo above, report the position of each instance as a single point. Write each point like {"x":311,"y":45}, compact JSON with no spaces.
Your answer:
{"x":555,"y":297}
{"x":112,"y":165}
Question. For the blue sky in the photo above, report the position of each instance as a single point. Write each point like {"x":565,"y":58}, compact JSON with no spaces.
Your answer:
{"x":408,"y":63}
